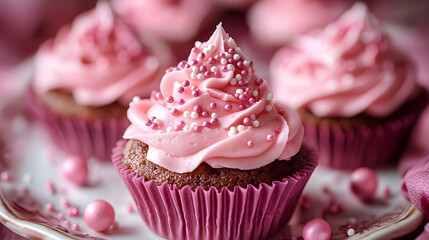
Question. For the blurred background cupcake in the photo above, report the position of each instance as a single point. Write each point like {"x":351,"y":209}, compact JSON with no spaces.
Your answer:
{"x":85,"y":77}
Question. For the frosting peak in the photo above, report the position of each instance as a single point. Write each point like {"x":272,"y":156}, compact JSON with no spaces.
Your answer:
{"x":212,"y":108}
{"x":99,"y":60}
{"x":344,"y":70}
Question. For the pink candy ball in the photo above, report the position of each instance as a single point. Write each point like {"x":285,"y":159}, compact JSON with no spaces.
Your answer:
{"x":99,"y":215}
{"x":317,"y":229}
{"x":75,"y":170}
{"x":363,"y":183}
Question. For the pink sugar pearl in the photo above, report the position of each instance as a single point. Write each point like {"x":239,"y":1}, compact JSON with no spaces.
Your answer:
{"x":99,"y":215}
{"x":317,"y":229}
{"x":75,"y":169}
{"x":363,"y":183}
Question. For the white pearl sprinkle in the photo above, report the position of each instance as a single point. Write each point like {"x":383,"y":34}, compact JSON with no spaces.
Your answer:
{"x":232,"y":131}
{"x":269,"y":107}
{"x":255,"y":123}
{"x":233,"y":81}
{"x":136,"y":99}
{"x":236,"y":57}
{"x":194,"y":115}
{"x":157,"y":121}
{"x":214,"y":69}
{"x":186,"y":128}
{"x":159,"y":132}
{"x":212,"y":47}
{"x":269,"y":97}
{"x":231,"y":67}
{"x":193,"y":125}
{"x":240,"y":128}
{"x":239,"y":91}
{"x":193,"y":75}
{"x":351,"y":232}
{"x":194,"y":69}
{"x":246,"y":63}
{"x":255,"y":93}
{"x":197,"y":44}
{"x":223,"y":61}
{"x":170,"y":129}
{"x":131,"y":104}
{"x":200,"y":76}
{"x":253,"y":117}
{"x":206,"y":51}
{"x":186,"y":114}
{"x":214,"y":115}
{"x":227,"y":55}
{"x":238,"y":76}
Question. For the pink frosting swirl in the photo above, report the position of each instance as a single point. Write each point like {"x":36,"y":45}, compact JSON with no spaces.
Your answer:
{"x":100,"y":61}
{"x":213,"y":108}
{"x":172,"y":20}
{"x":346,"y":69}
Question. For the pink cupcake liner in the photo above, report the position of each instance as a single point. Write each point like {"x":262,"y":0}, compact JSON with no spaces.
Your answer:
{"x":244,"y":213}
{"x":362,"y":146}
{"x":88,"y":138}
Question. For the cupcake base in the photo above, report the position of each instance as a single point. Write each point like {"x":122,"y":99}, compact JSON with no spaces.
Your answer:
{"x":244,"y":213}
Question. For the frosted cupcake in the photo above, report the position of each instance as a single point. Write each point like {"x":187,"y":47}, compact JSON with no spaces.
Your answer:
{"x":276,"y":22}
{"x":358,"y":97}
{"x":85,"y":78}
{"x":212,"y":155}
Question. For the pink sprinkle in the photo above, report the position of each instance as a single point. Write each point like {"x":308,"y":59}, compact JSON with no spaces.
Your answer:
{"x":186,"y":83}
{"x":241,"y":107}
{"x":180,"y":89}
{"x":211,"y":60}
{"x":76,"y":227}
{"x":244,"y":73}
{"x":237,"y":95}
{"x":5,"y":176}
{"x":73,"y":211}
{"x":65,"y":202}
{"x":277,"y":129}
{"x":129,"y":208}
{"x":204,"y":114}
{"x":270,"y":137}
{"x":50,"y":188}
{"x":198,"y":109}
{"x":153,"y":118}
{"x":197,"y":128}
{"x":194,"y":62}
{"x":251,"y":63}
{"x":231,"y":50}
{"x":177,"y":128}
{"x":181,"y":101}
{"x":61,"y":216}
{"x":217,"y":74}
{"x":170,"y":99}
{"x":228,"y":107}
{"x":230,"y":60}
{"x":50,"y":207}
{"x":213,"y":105}
{"x":67,"y":223}
{"x":195,"y":93}
{"x":174,"y":111}
{"x":193,"y":88}
{"x":250,"y":144}
{"x":259,"y":82}
{"x":217,"y":57}
{"x":148,"y":123}
{"x":246,"y":121}
{"x":201,"y":56}
{"x":240,"y":65}
{"x":207,"y":74}
{"x":182,"y":64}
{"x":187,"y":65}
{"x":242,"y":97}
{"x":224,"y":69}
{"x":203,"y":68}
{"x":181,"y":123}
{"x":205,"y":124}
{"x":251,"y":101}
{"x":155,"y":126}
{"x":158,"y":95}
{"x":213,"y":121}
{"x":195,"y":49}
{"x":222,"y":55}
{"x":169,"y":70}
{"x":240,"y":83}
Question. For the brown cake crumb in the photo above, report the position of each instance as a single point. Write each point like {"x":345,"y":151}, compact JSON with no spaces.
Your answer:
{"x":135,"y":152}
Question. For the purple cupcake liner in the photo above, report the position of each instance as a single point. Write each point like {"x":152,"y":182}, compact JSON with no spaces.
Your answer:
{"x":362,"y":146}
{"x":88,"y":138}
{"x":244,"y":213}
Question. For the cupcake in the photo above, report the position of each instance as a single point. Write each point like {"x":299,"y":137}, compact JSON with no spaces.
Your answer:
{"x":85,"y":78}
{"x":276,"y":22}
{"x":212,"y":155}
{"x":356,"y":94}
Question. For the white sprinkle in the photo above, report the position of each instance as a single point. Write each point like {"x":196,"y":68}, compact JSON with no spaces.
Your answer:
{"x":131,"y":104}
{"x":231,"y":67}
{"x":255,"y":123}
{"x":331,"y":86}
{"x":214,"y":69}
{"x":246,"y":63}
{"x":206,"y":51}
{"x":348,"y":79}
{"x":351,"y":232}
{"x":194,"y":124}
{"x":214,"y":115}
{"x":170,"y":129}
{"x":232,"y":131}
{"x":193,"y":75}
{"x":200,"y":76}
{"x":233,"y":81}
{"x":27,"y":178}
{"x":159,"y":132}
{"x":194,"y":69}
{"x":236,"y":57}
{"x":197,"y":44}
{"x":186,"y":114}
{"x":269,"y":107}
{"x":253,"y":117}
{"x":239,"y":91}
{"x":255,"y":93}
{"x":238,"y":76}
{"x":223,"y":61}
{"x":269,"y":97}
{"x":136,"y":99}
{"x":194,"y":115}
{"x":186,"y":128}
{"x":240,"y":128}
{"x":212,"y":47}
{"x":227,"y":55}
{"x":157,"y":121}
